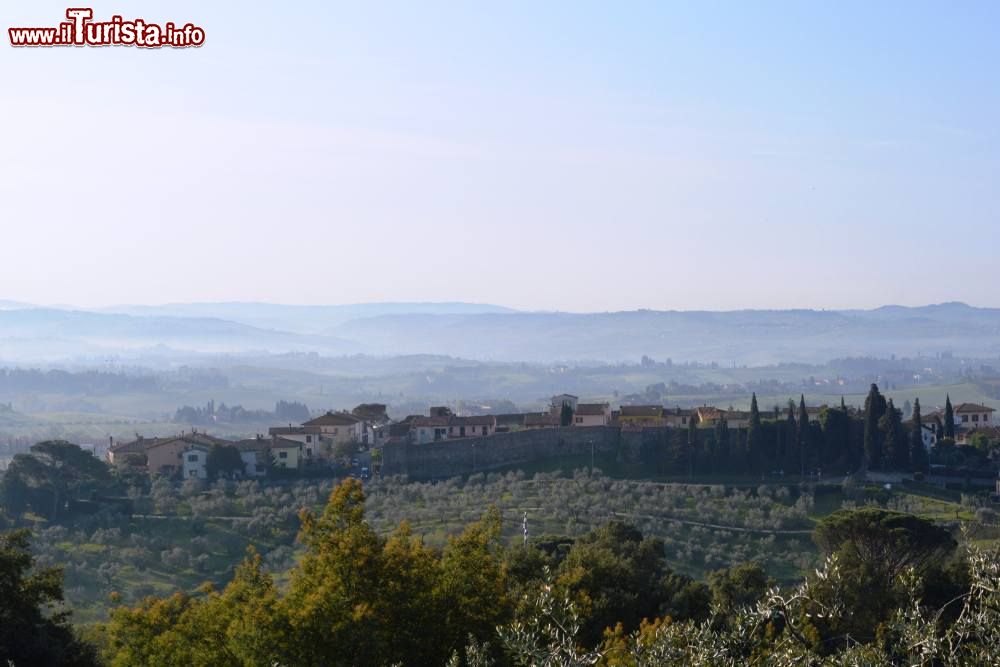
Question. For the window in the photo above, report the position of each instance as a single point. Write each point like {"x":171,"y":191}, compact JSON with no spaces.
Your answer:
{"x":282,"y":455}
{"x":309,"y":439}
{"x":485,"y":430}
{"x":975,"y":418}
{"x":192,"y":458}
{"x":579,"y":420}
{"x":965,"y":418}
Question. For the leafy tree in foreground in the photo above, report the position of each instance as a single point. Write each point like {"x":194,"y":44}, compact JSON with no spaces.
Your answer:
{"x":874,"y":549}
{"x":779,"y":630}
{"x":30,"y":632}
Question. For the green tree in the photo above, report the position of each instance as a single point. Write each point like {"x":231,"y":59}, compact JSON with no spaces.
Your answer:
{"x":50,"y":475}
{"x":692,"y":443}
{"x":615,"y":575}
{"x":755,"y":438}
{"x":566,"y":415}
{"x":918,"y":453}
{"x":344,"y":451}
{"x":223,"y":460}
{"x":836,"y":427}
{"x":949,"y":418}
{"x":473,"y":581}
{"x":895,"y":447}
{"x":805,"y":444}
{"x":874,"y":550}
{"x":793,"y":455}
{"x":875,"y":407}
{"x":739,"y":586}
{"x":31,"y":633}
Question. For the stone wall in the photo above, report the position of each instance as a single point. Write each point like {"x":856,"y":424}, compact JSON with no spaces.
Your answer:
{"x":468,"y":455}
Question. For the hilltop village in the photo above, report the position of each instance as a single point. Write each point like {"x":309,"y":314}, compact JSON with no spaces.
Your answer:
{"x":355,"y":440}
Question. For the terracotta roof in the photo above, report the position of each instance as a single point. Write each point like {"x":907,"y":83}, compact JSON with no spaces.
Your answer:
{"x":592,"y":409}
{"x":430,"y":421}
{"x":399,"y":430}
{"x":541,"y":419}
{"x":333,"y":419}
{"x":641,"y":411}
{"x":473,"y":420}
{"x":252,"y":444}
{"x":137,"y":446}
{"x":511,"y":419}
{"x":282,"y":443}
{"x":708,"y":412}
{"x":973,"y":407}
{"x":295,"y":430}
{"x":191,"y":438}
{"x":677,"y":412}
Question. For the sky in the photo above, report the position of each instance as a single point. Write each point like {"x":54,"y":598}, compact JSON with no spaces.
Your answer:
{"x":580,"y":156}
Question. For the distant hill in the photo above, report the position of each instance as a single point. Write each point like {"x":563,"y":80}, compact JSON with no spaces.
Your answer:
{"x":303,"y":319}
{"x":484,"y":332}
{"x":46,"y":334}
{"x":745,"y":337}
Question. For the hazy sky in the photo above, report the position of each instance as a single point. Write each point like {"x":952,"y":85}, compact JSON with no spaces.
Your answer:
{"x":542,"y":155}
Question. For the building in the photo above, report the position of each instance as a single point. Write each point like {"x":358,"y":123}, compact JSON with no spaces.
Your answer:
{"x":677,"y":418}
{"x":428,"y":429}
{"x":509,"y":422}
{"x":194,"y":459}
{"x":736,"y":419}
{"x":972,"y":415}
{"x":708,"y":415}
{"x":164,"y":456}
{"x":123,"y":453}
{"x":311,"y":438}
{"x":339,"y":427}
{"x":255,"y":453}
{"x":640,"y":415}
{"x":286,"y":453}
{"x":592,"y":414}
{"x":476,"y":426}
{"x":557,"y":403}
{"x":534,"y":420}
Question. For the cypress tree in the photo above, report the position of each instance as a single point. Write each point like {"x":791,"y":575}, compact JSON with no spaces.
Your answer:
{"x":804,"y":444}
{"x":895,"y":449}
{"x":918,"y":453}
{"x":754,"y":437}
{"x":949,"y":418}
{"x":843,"y":406}
{"x":791,"y":439}
{"x":874,"y":409}
{"x":692,"y":441}
{"x":722,"y":440}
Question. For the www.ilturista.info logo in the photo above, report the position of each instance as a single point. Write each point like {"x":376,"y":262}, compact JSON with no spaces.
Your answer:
{"x":82,"y":30}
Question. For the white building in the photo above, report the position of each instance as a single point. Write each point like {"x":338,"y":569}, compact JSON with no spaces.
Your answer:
{"x":592,"y":414}
{"x":194,"y":460}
